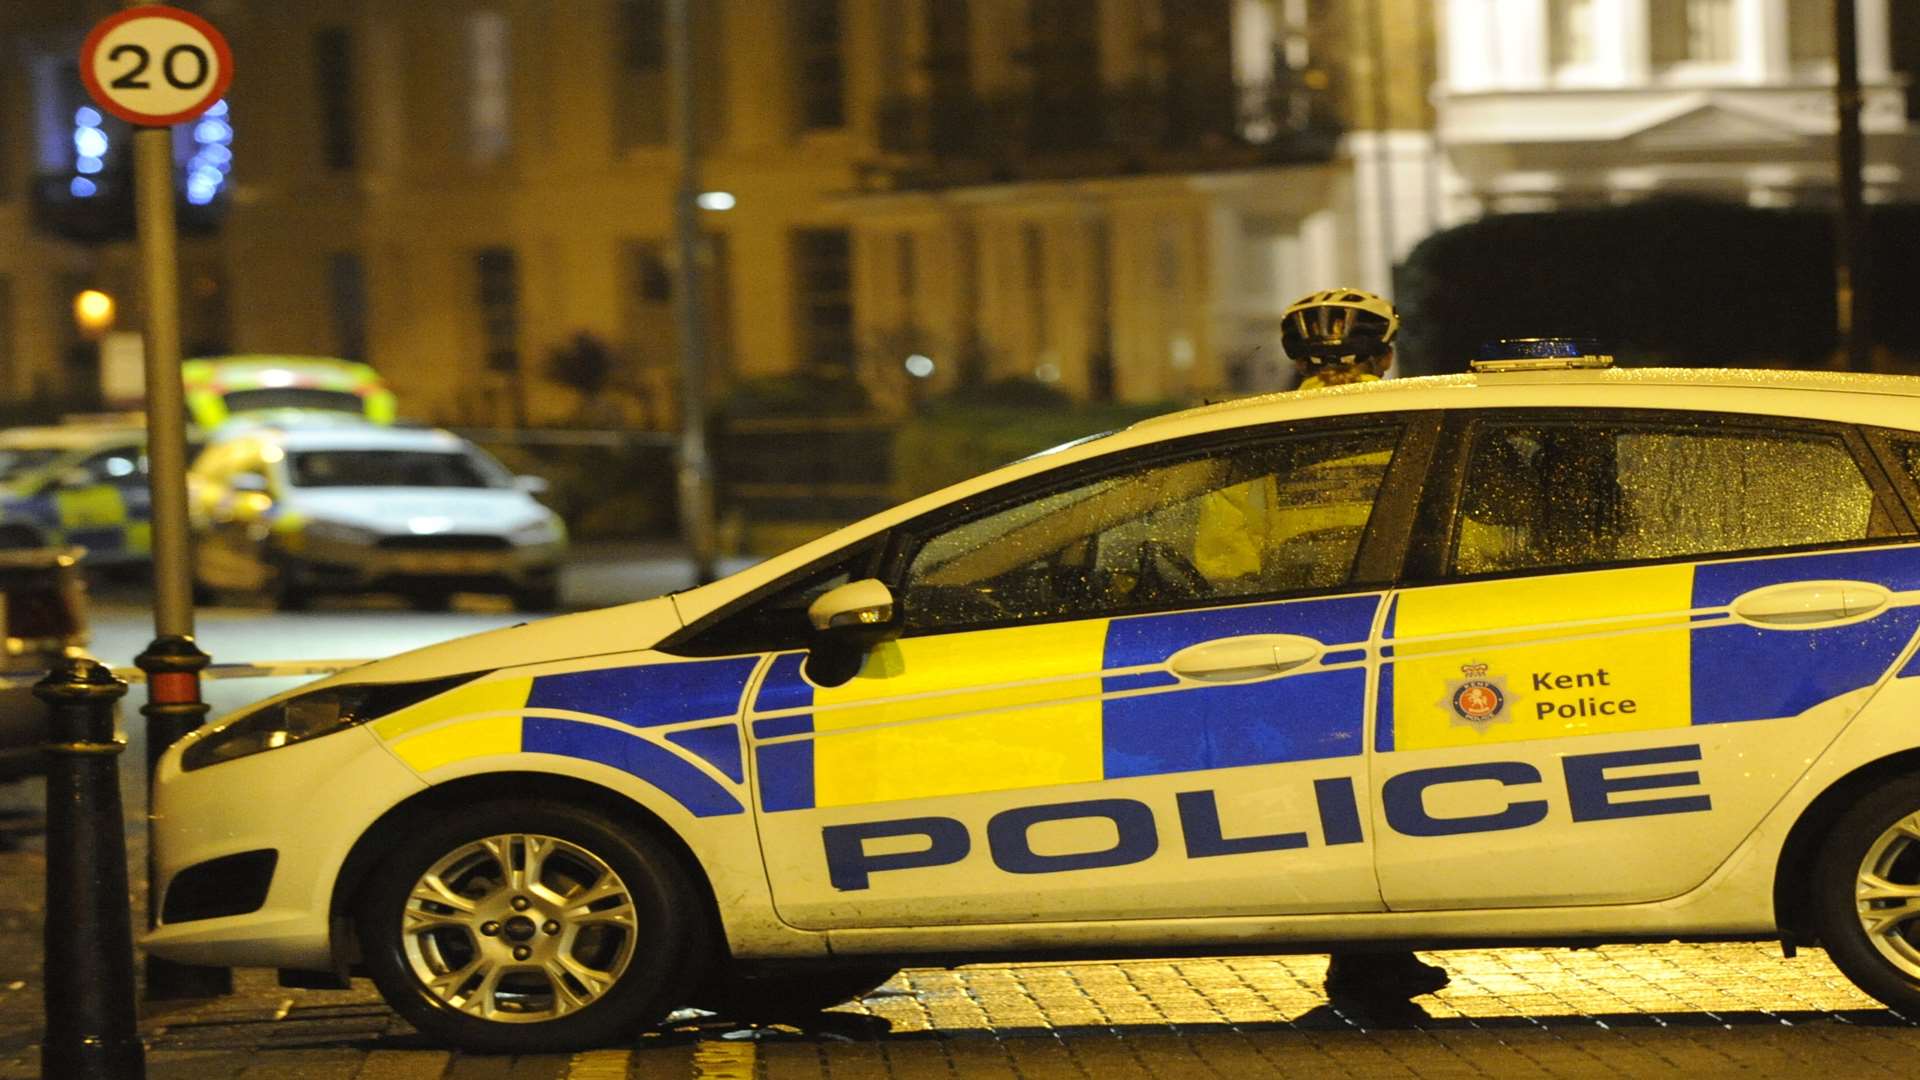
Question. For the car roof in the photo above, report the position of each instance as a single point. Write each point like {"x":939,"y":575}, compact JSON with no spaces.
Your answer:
{"x":356,"y":437}
{"x":69,"y":437}
{"x":1575,"y":387}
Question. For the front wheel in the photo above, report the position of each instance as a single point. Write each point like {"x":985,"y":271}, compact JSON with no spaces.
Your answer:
{"x":529,"y":927}
{"x":1867,"y":895}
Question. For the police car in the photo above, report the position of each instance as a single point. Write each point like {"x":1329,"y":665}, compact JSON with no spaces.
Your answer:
{"x":77,"y":484}
{"x":1554,"y":655}
{"x":350,"y":507}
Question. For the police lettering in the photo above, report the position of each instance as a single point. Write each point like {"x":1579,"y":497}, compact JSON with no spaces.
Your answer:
{"x":1592,"y":795}
{"x":1579,"y":708}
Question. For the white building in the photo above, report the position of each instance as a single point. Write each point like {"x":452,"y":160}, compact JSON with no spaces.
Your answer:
{"x":1553,"y":103}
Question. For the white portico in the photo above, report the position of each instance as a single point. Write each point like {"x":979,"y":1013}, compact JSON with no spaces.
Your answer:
{"x":1554,"y":103}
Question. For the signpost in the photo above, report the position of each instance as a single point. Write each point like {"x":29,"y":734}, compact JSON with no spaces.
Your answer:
{"x":154,"y":66}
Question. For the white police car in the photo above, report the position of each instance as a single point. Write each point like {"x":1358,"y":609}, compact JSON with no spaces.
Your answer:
{"x":1541,"y":657}
{"x":342,"y":506}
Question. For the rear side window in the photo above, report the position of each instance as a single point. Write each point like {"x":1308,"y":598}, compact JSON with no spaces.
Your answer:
{"x":1547,"y":495}
{"x":1910,"y":456}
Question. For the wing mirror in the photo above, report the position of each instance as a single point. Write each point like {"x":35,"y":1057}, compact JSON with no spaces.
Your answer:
{"x":532,"y":485}
{"x":866,"y":603}
{"x":848,"y":621}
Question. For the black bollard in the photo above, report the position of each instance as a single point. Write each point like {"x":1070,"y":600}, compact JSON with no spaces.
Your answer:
{"x":173,"y":664}
{"x":91,"y":1031}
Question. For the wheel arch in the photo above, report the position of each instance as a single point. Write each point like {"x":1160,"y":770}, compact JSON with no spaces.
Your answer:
{"x":1793,"y":876}
{"x":367,"y":851}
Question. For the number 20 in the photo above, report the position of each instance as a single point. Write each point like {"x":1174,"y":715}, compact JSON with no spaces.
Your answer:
{"x":131,"y":80}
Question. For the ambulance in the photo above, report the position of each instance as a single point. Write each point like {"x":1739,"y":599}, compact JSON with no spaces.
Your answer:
{"x":1552,"y":655}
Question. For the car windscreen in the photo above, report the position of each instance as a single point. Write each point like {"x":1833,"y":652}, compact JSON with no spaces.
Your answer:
{"x":293,"y":397}
{"x":17,"y":462}
{"x":389,"y":468}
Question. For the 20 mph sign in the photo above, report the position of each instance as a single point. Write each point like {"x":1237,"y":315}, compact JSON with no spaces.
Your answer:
{"x":156,"y":65}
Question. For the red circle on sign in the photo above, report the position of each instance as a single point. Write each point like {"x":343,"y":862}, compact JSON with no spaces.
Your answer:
{"x":222,"y":52}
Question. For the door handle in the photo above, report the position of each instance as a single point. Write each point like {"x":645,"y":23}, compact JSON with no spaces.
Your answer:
{"x":1244,"y":659}
{"x":1812,"y":604}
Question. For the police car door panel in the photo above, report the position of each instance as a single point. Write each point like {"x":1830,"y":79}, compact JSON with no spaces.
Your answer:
{"x":1612,"y":735}
{"x":1061,"y":772}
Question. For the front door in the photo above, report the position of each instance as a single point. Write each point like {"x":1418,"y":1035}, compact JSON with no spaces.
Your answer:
{"x":1139,"y":693}
{"x":1644,"y":627}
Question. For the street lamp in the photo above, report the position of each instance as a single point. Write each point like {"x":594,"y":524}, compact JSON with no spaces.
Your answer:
{"x":93,"y":313}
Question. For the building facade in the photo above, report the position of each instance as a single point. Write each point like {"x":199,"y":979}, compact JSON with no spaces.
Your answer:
{"x":1553,"y":103}
{"x":1117,"y":197}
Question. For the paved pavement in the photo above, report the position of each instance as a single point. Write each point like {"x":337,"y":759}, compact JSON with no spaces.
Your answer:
{"x":1671,"y":1010}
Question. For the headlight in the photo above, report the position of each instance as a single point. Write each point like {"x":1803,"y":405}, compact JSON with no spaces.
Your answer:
{"x":543,"y":531}
{"x":309,"y":716}
{"x":339,"y":532}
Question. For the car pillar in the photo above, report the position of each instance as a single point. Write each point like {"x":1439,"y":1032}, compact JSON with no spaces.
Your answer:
{"x":89,"y":935}
{"x":173,"y":664}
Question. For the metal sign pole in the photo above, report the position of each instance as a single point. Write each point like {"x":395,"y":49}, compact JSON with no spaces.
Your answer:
{"x":696,"y":466}
{"x":173,"y":661}
{"x":166,"y":405}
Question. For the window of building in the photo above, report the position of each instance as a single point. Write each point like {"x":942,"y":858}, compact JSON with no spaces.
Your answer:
{"x":489,"y":87}
{"x":818,"y":69}
{"x":1693,"y":32}
{"x":1570,"y":33}
{"x":347,"y":288}
{"x":1033,"y":263}
{"x":334,"y":96}
{"x":1553,"y":495}
{"x":823,"y":284}
{"x":640,"y":104}
{"x":1810,"y":32}
{"x":1064,"y":56}
{"x":1260,"y":520}
{"x":498,"y":272}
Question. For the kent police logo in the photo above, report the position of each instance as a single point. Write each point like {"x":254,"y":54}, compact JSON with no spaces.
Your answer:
{"x":1477,"y":700}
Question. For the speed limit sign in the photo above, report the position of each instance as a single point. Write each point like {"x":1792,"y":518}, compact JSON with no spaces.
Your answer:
{"x":156,"y":65}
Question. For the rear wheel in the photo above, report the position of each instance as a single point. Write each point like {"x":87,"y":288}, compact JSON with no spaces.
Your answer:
{"x":529,"y":927}
{"x":1867,"y":895}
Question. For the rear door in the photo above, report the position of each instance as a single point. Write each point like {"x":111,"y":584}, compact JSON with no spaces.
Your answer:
{"x":1641,"y":628}
{"x":1138,"y":693}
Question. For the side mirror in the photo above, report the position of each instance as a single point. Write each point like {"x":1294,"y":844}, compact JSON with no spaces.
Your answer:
{"x":863,"y":604}
{"x":532,"y":485}
{"x":849,"y":622}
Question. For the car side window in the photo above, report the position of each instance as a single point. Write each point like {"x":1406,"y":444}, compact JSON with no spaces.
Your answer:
{"x":1548,"y":495}
{"x":1260,"y":519}
{"x":1910,"y":456}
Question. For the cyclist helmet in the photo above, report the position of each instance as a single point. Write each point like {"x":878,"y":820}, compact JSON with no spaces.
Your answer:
{"x":1338,"y":325}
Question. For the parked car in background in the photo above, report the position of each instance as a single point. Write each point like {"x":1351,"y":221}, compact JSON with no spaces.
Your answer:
{"x":223,"y":388}
{"x":289,"y":513}
{"x":43,"y":616}
{"x":83,"y":485}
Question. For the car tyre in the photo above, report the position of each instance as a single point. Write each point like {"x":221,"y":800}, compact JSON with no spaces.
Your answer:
{"x":786,"y":996}
{"x":1867,"y":895}
{"x":530,"y":927}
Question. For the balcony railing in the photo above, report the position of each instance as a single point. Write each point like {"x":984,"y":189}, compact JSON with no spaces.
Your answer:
{"x":933,"y":142}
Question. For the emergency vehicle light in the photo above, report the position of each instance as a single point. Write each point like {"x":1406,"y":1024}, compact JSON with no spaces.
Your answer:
{"x":1540,"y":354}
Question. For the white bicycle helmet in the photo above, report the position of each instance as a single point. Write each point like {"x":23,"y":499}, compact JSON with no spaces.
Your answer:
{"x":1336,"y":325}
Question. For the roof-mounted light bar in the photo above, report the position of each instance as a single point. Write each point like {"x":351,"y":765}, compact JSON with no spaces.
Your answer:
{"x":1540,"y":354}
